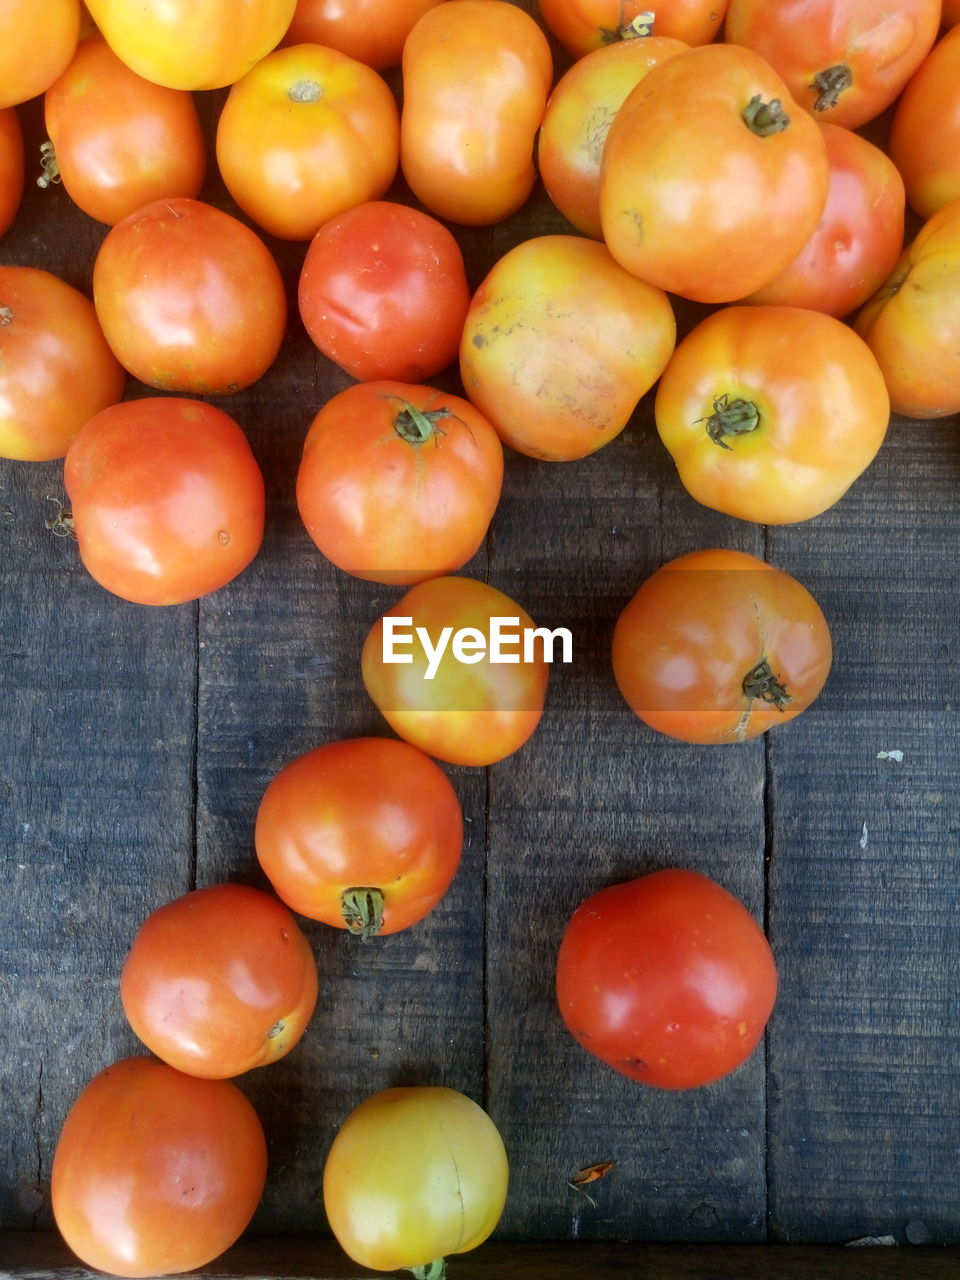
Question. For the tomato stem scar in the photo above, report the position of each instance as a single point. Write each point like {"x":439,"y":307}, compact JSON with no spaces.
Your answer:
{"x":362,"y":911}
{"x":764,"y":118}
{"x":305,"y":91}
{"x":829,"y":85}
{"x":760,"y":682}
{"x":418,"y":426}
{"x":731,"y":418}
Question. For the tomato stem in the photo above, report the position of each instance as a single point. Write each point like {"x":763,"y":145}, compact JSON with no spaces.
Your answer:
{"x":418,"y":426}
{"x":362,"y":911}
{"x":731,"y":418}
{"x":764,"y":118}
{"x":642,"y":25}
{"x":48,"y":163}
{"x":435,"y":1270}
{"x":829,"y":85}
{"x":760,"y":682}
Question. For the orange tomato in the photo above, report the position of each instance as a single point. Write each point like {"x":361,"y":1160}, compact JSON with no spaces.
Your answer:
{"x":925,"y":130}
{"x":584,"y":25}
{"x":372,"y":31}
{"x":11,"y":166}
{"x":37,"y":41}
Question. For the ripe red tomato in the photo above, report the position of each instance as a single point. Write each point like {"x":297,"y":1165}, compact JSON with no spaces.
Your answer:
{"x":189,"y":298}
{"x":305,"y":134}
{"x":383,"y":292}
{"x":364,"y":834}
{"x":167,"y":498}
{"x":56,"y":369}
{"x":846,"y":60}
{"x":219,"y":981}
{"x":560,"y":381}
{"x":584,"y":25}
{"x":398,"y":482}
{"x":712,"y":177}
{"x":450,"y":676}
{"x":717,"y":647}
{"x":11,"y":166}
{"x":925,"y":130}
{"x":98,"y":115}
{"x":476,"y":74}
{"x":859,"y":238}
{"x":577,"y":119}
{"x":667,"y":978}
{"x":156,"y":1172}
{"x":37,"y":41}
{"x":771,"y":413}
{"x":372,"y":31}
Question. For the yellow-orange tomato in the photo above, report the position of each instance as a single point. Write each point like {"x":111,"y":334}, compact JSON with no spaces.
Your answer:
{"x":305,"y":135}
{"x":925,"y":130}
{"x":912,"y":323}
{"x":560,"y":381}
{"x":372,"y":31}
{"x":771,"y":413}
{"x":120,"y":141}
{"x":37,"y":41}
{"x":584,"y":25}
{"x":577,"y":119}
{"x":476,"y":75}
{"x":11,"y":166}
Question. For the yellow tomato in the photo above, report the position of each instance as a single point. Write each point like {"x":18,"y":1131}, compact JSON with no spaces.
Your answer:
{"x":37,"y":41}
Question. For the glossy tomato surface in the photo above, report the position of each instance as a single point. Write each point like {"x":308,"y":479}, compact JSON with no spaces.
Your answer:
{"x":584,"y":25}
{"x":771,"y":413}
{"x":399,"y":482}
{"x":718,"y":646}
{"x":219,"y":981}
{"x":372,"y":31}
{"x":472,"y":701}
{"x":56,"y":369}
{"x":167,"y":499}
{"x":414,"y":1174}
{"x":156,"y":1172}
{"x":189,"y":298}
{"x":11,"y":166}
{"x":925,"y":130}
{"x":37,"y":41}
{"x":559,"y":382}
{"x":364,"y":834}
{"x":667,"y":979}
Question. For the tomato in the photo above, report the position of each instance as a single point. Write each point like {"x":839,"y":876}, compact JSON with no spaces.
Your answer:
{"x":383,"y":292}
{"x":398,"y":483}
{"x":951,"y":13}
{"x":459,"y":670}
{"x":584,"y":25}
{"x":717,"y":646}
{"x":413,"y":1174}
{"x":189,"y":298}
{"x":560,"y":381}
{"x":120,"y":141}
{"x":771,"y":413}
{"x":925,"y":130}
{"x":372,"y":31}
{"x":37,"y":41}
{"x":156,"y":1172}
{"x":859,"y":238}
{"x":167,"y":498}
{"x":192,"y":44}
{"x":305,"y":134}
{"x":476,"y":74}
{"x":912,"y":323}
{"x":846,"y":60}
{"x":56,"y":369}
{"x":577,"y":119}
{"x":364,"y":834}
{"x":11,"y":166}
{"x":712,"y":178}
{"x":666,"y":978}
{"x":219,"y":981}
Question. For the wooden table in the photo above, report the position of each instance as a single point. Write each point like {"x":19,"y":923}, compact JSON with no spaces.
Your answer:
{"x":136,"y":744}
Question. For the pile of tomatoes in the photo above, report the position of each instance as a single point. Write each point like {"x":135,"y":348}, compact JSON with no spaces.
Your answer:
{"x":714,"y":154}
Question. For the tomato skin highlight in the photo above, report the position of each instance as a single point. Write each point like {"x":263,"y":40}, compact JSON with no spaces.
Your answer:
{"x":667,"y":978}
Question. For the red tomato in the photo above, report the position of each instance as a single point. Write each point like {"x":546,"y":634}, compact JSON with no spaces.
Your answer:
{"x":712,"y":178}
{"x":372,"y":31}
{"x":37,"y":41}
{"x":219,"y":981}
{"x":560,"y":381}
{"x":476,"y":74}
{"x":156,"y":1172}
{"x":667,"y":978}
{"x":56,"y":369}
{"x":584,"y":25}
{"x":718,"y":647}
{"x":190,"y":299}
{"x":771,"y":413}
{"x":951,"y":13}
{"x":846,"y":60}
{"x":11,"y":166}
{"x":384,"y":294}
{"x":192,"y":44}
{"x":859,"y":238}
{"x":120,"y":141}
{"x":363,"y":834}
{"x":168,"y":500}
{"x":912,"y":323}
{"x":397,"y":482}
{"x":577,"y":119}
{"x":925,"y":131}
{"x":459,"y":670}
{"x":306,"y":134}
